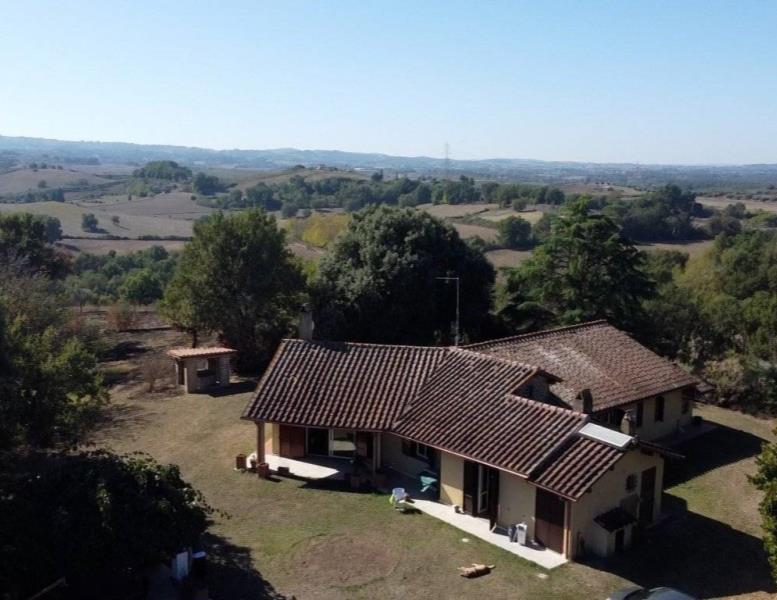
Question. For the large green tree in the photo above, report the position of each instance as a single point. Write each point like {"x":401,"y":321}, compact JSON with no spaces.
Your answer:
{"x":96,"y":519}
{"x":765,"y":480}
{"x":378,"y":281}
{"x":584,"y":270}
{"x":238,"y":278}
{"x":25,"y":243}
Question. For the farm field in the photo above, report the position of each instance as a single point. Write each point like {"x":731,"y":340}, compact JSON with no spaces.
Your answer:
{"x":693,"y":249}
{"x":99,"y":246}
{"x":293,"y":537}
{"x":754,"y":205}
{"x":175,"y":204}
{"x":507,"y":258}
{"x":488,"y":234}
{"x":447,"y":211}
{"x":131,"y":226}
{"x":23,"y":180}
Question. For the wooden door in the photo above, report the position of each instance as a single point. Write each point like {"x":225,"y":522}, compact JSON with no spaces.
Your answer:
{"x":647,"y":496}
{"x":549,"y":520}
{"x":292,"y":441}
{"x":470,"y":487}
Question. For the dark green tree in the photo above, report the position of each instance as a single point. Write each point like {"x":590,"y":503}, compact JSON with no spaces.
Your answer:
{"x":377,"y":283}
{"x":97,"y":519}
{"x":89,"y":222}
{"x":765,"y":480}
{"x":237,"y":277}
{"x":514,"y":232}
{"x":584,"y":270}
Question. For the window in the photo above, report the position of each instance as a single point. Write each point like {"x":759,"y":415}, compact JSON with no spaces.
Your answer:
{"x":659,"y":416}
{"x":631,"y":482}
{"x":640,"y":413}
{"x":422,"y":451}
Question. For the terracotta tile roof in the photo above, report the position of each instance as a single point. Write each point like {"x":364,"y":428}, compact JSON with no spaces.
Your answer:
{"x":576,"y":466}
{"x":201,"y":352}
{"x":331,"y":384}
{"x":466,"y":407}
{"x":597,"y":356}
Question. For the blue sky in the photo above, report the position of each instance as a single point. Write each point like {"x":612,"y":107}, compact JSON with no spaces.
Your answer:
{"x":659,"y":82}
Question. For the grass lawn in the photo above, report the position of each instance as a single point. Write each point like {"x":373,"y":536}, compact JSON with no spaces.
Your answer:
{"x":291,"y":537}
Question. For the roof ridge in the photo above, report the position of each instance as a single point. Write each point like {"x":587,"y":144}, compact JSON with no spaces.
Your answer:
{"x":550,"y":407}
{"x":493,"y":357}
{"x":536,"y":334}
{"x":364,"y":344}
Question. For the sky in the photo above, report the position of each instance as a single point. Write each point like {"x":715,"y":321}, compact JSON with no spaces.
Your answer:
{"x":652,"y":82}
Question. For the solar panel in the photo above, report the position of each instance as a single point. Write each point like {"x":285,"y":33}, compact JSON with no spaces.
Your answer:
{"x":606,"y":436}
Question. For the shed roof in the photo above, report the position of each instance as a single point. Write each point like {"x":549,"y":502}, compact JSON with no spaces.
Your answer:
{"x":201,"y":352}
{"x":595,"y":356}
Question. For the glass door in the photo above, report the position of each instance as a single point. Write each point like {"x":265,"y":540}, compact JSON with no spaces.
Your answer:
{"x":482,"y":489}
{"x":318,"y":441}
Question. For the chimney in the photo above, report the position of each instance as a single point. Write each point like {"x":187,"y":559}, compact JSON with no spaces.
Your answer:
{"x":587,"y":401}
{"x":629,"y":423}
{"x":306,"y":325}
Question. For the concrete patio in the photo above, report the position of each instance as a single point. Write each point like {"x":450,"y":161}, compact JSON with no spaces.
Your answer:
{"x":332,"y":468}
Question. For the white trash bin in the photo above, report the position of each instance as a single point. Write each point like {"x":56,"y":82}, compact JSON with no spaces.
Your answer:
{"x":520,"y":533}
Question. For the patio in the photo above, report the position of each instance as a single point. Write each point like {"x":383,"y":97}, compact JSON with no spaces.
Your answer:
{"x":314,"y":468}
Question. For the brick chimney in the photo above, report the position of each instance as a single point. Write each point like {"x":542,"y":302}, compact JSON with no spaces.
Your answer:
{"x":306,"y":325}
{"x":586,"y":401}
{"x":629,"y":423}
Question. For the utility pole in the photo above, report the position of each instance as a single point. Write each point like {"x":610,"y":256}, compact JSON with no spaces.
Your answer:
{"x":458,"y":301}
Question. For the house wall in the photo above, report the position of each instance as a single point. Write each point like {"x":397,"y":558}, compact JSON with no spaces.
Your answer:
{"x":393,"y":457}
{"x":272,"y":440}
{"x":610,"y":492}
{"x":673,"y":417}
{"x":451,"y":479}
{"x":517,"y":500}
{"x":191,"y":381}
{"x":536,"y":388}
{"x":224,"y":370}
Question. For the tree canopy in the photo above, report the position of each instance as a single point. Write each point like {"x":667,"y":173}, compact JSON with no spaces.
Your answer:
{"x":584,"y":270}
{"x":378,"y":281}
{"x":163,"y":169}
{"x":238,"y":278}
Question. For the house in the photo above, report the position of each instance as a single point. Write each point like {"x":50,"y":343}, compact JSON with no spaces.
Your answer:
{"x":198,"y":369}
{"x":556,"y":430}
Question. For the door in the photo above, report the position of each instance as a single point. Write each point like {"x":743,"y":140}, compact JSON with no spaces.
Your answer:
{"x":647,"y":496}
{"x":549,"y":520}
{"x":292,"y":441}
{"x":364,"y":444}
{"x":470,"y":487}
{"x":318,"y":441}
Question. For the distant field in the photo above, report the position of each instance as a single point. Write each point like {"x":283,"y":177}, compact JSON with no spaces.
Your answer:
{"x":129,"y":225}
{"x":507,"y":258}
{"x":23,"y":180}
{"x":717,"y":202}
{"x":467,"y":231}
{"x":691,"y":248}
{"x":456,"y":210}
{"x":97,"y":246}
{"x":175,"y":204}
{"x":532,"y":216}
{"x":275,"y":177}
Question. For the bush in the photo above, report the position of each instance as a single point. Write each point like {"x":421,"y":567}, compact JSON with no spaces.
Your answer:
{"x":120,"y":317}
{"x":89,"y":222}
{"x":156,"y":369}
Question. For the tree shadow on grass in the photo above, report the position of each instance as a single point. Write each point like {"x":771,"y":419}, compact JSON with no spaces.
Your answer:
{"x":717,"y":448}
{"x":231,"y":573}
{"x":125,"y":350}
{"x":118,"y":417}
{"x":235,"y":387}
{"x":695,"y":554}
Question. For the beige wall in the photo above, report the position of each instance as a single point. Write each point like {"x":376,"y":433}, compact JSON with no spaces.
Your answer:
{"x":451,"y":479}
{"x":392,"y":457}
{"x":673,"y":417}
{"x":516,"y":501}
{"x":608,"y":493}
{"x":272,"y":443}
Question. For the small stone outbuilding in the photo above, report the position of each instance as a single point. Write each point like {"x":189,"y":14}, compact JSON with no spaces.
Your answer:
{"x":198,"y":369}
